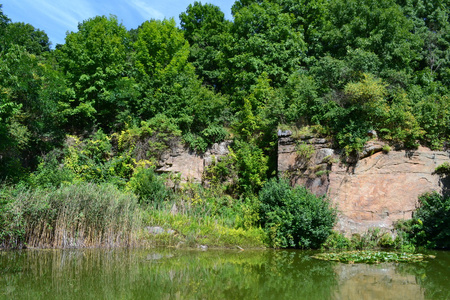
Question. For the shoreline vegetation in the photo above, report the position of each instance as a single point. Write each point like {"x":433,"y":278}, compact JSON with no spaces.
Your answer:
{"x":84,"y":126}
{"x":88,"y":215}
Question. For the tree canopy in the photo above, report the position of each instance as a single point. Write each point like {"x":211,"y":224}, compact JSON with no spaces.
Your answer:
{"x":345,"y":66}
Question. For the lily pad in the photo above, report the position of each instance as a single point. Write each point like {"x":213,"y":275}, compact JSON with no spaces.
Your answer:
{"x":372,"y":257}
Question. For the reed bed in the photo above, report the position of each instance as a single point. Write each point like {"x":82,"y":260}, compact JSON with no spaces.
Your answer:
{"x":74,"y":216}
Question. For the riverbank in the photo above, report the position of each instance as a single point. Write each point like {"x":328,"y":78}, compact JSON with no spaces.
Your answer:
{"x":89,"y":215}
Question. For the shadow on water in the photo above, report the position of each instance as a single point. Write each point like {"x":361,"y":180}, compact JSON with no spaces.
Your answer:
{"x":175,"y":274}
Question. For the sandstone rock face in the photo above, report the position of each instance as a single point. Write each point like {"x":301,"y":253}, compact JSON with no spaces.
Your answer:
{"x":188,"y":163}
{"x":376,"y":190}
{"x":306,"y":162}
{"x":383,"y":188}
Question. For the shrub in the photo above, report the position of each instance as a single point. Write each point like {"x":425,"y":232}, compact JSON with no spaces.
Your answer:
{"x":294,"y":217}
{"x":374,"y":238}
{"x":337,"y":241}
{"x":443,"y":169}
{"x":148,"y":186}
{"x":304,"y":151}
{"x":251,"y":163}
{"x":51,"y":173}
{"x":434,"y":215}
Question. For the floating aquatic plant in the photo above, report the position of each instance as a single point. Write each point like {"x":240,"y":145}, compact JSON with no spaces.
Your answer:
{"x":371,"y":257}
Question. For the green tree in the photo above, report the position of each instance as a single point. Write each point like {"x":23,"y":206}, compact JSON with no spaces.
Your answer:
{"x":251,"y":167}
{"x":31,"y":93}
{"x":432,"y":218}
{"x":309,"y":19}
{"x":35,"y":41}
{"x":164,"y":73}
{"x":433,"y":115}
{"x":171,"y":87}
{"x":431,"y":24}
{"x":265,"y":41}
{"x":96,"y":63}
{"x":302,"y":101}
{"x":374,"y":26}
{"x":4,"y":20}
{"x":360,"y":108}
{"x":207,"y":31}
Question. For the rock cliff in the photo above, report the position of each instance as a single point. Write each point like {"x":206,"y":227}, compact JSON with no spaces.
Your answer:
{"x":179,"y":159}
{"x":375,"y":190}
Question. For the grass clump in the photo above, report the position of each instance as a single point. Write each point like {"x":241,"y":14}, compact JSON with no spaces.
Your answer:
{"x":209,"y":217}
{"x":73,"y":216}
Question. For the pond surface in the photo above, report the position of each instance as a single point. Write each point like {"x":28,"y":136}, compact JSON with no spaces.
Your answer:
{"x":212,"y":274}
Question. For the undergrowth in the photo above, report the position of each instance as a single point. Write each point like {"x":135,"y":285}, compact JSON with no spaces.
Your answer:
{"x":192,"y":231}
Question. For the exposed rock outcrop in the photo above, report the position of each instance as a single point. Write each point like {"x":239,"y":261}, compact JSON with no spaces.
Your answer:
{"x":179,"y":159}
{"x":383,"y":188}
{"x":374,"y":191}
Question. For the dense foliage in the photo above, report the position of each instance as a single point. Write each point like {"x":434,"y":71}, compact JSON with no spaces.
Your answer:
{"x":430,"y":225}
{"x":106,"y":104}
{"x":294,"y":217}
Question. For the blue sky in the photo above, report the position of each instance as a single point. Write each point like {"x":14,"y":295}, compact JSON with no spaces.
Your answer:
{"x":56,"y":17}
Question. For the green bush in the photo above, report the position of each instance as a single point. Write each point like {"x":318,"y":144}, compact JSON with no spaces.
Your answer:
{"x":337,"y":241}
{"x":434,"y":216}
{"x":374,"y":238}
{"x":443,"y":169}
{"x":148,"y":186}
{"x":294,"y":217}
{"x":252,"y":165}
{"x":50,"y":172}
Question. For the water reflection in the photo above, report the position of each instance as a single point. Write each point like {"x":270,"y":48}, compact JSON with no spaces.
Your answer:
{"x":173,"y":274}
{"x":384,"y":281}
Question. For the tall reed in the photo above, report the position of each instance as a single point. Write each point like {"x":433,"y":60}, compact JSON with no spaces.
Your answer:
{"x":73,"y":216}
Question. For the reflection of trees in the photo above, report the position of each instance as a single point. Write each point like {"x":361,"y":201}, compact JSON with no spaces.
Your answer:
{"x":294,"y":275}
{"x":436,"y":277}
{"x":173,"y":274}
{"x":165,"y":274}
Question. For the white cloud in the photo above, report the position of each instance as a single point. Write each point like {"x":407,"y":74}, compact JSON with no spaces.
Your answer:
{"x":62,"y":14}
{"x":146,"y":11}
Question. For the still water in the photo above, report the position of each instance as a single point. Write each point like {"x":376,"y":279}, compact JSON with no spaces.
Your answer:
{"x":212,"y":274}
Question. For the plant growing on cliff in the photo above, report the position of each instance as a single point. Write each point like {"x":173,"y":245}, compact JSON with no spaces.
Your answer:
{"x":386,"y":149}
{"x":294,"y":217}
{"x":304,"y":151}
{"x":443,"y":169}
{"x":434,"y":214}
